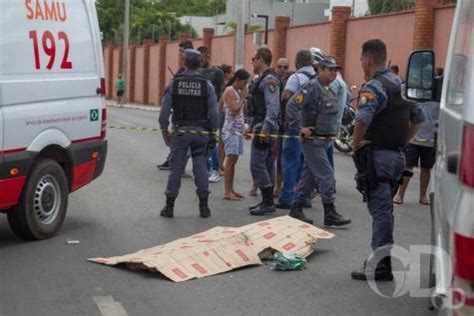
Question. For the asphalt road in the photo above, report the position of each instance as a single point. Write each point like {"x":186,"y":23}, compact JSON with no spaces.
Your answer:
{"x":119,"y":214}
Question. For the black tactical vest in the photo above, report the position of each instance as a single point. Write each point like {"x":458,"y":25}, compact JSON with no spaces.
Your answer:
{"x":389,"y":129}
{"x":190,"y":101}
{"x":257,"y":108}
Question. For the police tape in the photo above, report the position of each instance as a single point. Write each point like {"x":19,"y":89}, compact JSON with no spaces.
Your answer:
{"x":198,"y":132}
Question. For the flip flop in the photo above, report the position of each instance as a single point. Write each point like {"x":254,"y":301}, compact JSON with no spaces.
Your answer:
{"x":232,"y":198}
{"x":239,"y":195}
{"x":399,"y":202}
{"x":424,"y":202}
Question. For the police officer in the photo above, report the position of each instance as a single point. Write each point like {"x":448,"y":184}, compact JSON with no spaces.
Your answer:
{"x":317,"y":122}
{"x":384,"y":124}
{"x":264,"y":111}
{"x":183,"y":45}
{"x":193,"y":101}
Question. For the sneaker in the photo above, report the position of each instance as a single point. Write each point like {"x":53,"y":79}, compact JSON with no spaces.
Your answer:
{"x":214,"y":177}
{"x":164,"y":166}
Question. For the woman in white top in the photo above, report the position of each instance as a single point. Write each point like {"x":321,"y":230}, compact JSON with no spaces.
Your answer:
{"x":234,"y":99}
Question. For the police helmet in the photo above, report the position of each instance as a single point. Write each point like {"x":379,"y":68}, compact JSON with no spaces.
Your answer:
{"x":318,"y":55}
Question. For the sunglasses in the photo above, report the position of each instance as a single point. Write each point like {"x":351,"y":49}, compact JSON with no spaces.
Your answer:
{"x":282,"y":67}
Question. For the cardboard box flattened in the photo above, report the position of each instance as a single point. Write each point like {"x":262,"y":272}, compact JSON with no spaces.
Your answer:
{"x":222,"y":249}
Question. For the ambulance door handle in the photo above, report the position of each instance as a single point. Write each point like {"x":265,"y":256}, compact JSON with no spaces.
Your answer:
{"x":98,"y":91}
{"x":452,"y":162}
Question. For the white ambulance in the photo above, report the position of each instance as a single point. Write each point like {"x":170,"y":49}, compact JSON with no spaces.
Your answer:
{"x":452,"y":200}
{"x":52,"y":110}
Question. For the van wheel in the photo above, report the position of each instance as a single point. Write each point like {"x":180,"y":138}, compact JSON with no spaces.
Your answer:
{"x":43,"y":202}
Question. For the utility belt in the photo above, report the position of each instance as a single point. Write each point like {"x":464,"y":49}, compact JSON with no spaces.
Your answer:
{"x":396,"y":148}
{"x":321,"y":136}
{"x":258,"y":141}
{"x":366,"y":178}
{"x":203,"y":124}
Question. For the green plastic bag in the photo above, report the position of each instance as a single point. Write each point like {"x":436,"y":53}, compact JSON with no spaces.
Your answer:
{"x":288,"y":261}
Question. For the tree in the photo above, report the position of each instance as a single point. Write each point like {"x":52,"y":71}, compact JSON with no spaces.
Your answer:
{"x":386,"y":6}
{"x":152,"y":17}
{"x":231,"y":27}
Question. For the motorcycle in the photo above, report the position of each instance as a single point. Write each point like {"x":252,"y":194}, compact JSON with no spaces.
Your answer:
{"x":343,"y":142}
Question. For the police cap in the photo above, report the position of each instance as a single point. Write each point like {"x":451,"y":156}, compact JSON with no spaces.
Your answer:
{"x":329,"y":62}
{"x":192,"y":55}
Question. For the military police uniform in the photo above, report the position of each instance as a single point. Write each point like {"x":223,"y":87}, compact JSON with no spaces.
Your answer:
{"x":319,"y":111}
{"x":193,"y":101}
{"x":264,"y":110}
{"x":387,"y":115}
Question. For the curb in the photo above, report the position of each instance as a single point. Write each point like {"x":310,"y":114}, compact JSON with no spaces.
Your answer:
{"x":133,"y":107}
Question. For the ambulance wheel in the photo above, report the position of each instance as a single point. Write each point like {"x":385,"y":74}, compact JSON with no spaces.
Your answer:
{"x":43,"y":202}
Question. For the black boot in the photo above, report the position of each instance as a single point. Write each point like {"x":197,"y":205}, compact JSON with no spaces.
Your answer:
{"x":267,"y":206}
{"x":383,"y":271}
{"x":167,"y":211}
{"x":204,"y":210}
{"x":255,"y":206}
{"x":332,"y":217}
{"x":297,"y":212}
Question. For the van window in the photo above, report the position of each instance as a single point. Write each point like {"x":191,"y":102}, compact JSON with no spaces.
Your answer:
{"x":462,"y":58}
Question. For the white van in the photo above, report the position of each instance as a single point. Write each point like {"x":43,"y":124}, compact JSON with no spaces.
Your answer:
{"x":452,"y":203}
{"x":52,"y":110}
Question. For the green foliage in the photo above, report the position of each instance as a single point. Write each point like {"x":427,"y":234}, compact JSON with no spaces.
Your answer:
{"x":148,"y":17}
{"x":231,"y":27}
{"x":386,"y":6}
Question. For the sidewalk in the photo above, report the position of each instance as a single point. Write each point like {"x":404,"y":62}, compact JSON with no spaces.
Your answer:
{"x":134,"y":106}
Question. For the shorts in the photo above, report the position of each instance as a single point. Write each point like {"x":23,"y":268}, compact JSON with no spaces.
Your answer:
{"x":233,"y":145}
{"x":425,"y":155}
{"x":120,"y":93}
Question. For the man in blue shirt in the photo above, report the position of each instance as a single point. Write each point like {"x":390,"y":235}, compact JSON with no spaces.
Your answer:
{"x":292,"y":155}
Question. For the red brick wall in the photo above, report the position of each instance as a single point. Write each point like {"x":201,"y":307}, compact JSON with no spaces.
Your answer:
{"x":396,"y":30}
{"x":442,"y":30}
{"x":428,"y":27}
{"x":340,"y":15}
{"x":116,"y":66}
{"x":139,"y":72}
{"x":153,"y":76}
{"x":223,"y":50}
{"x":424,"y":24}
{"x":279,"y":43}
{"x":306,"y":36}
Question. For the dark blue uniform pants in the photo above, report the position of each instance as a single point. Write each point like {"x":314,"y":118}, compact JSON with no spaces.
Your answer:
{"x":262,"y":166}
{"x":388,"y":165}
{"x":179,"y":147}
{"x":317,"y":171}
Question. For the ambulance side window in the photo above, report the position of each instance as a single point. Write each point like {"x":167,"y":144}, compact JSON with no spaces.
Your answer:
{"x":459,"y":70}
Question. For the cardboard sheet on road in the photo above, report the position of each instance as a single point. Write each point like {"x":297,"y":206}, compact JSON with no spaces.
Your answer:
{"x":222,"y":249}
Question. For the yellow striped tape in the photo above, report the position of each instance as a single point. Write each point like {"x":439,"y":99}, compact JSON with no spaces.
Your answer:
{"x":196,"y":132}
